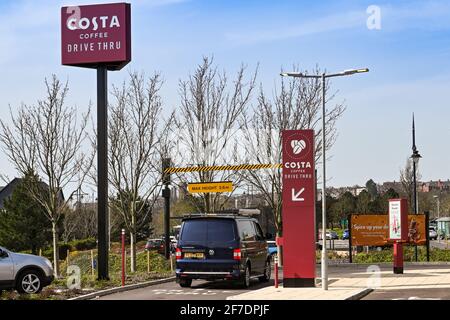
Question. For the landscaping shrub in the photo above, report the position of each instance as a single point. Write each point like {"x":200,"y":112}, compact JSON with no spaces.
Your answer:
{"x":85,"y":244}
{"x":386,"y":255}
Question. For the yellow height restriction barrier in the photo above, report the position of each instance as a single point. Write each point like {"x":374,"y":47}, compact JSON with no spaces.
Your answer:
{"x":224,"y":168}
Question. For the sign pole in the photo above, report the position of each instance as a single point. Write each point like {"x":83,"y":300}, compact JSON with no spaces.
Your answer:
{"x":350,"y":247}
{"x":102,"y":167}
{"x":110,"y":51}
{"x":324,"y":258}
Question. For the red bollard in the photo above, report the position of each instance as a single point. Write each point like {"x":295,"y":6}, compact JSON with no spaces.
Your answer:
{"x":276,"y":270}
{"x":398,"y":258}
{"x":123,"y":257}
{"x":279,"y":241}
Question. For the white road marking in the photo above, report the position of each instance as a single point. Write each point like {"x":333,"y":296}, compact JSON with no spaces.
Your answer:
{"x":194,"y":292}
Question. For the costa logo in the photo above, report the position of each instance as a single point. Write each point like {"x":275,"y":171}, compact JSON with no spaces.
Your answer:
{"x":103,"y":22}
{"x":297,"y":146}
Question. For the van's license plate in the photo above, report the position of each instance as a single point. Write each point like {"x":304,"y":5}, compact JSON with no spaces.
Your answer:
{"x":194,"y":255}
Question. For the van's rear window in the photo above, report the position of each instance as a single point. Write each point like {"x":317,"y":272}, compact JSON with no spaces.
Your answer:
{"x":220,"y":230}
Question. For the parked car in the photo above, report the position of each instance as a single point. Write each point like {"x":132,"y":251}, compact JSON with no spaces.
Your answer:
{"x":332,"y":235}
{"x":433,"y":235}
{"x":222,"y":247}
{"x":24,"y":272}
{"x":346,"y":234}
{"x":272,"y":249}
{"x":161,"y":248}
{"x":153,"y":244}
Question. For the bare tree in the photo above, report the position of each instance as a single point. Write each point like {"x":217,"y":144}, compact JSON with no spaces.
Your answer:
{"x":206,"y":122}
{"x":80,"y":222}
{"x":47,"y":138}
{"x":296,"y":106}
{"x":135,"y":164}
{"x":407,"y":181}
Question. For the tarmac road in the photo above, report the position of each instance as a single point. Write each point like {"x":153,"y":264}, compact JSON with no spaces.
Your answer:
{"x":410,"y":294}
{"x":200,"y":290}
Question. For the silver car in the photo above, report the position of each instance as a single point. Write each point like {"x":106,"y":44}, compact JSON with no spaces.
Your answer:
{"x":24,"y":272}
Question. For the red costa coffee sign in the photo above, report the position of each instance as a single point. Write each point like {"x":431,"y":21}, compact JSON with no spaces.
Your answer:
{"x":299,"y":185}
{"x":96,"y":35}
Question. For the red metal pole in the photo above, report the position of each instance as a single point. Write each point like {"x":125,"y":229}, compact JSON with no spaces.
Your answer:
{"x":123,"y":257}
{"x":276,"y":270}
{"x":398,"y":258}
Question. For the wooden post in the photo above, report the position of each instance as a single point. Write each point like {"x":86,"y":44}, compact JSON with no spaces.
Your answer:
{"x":67,"y":257}
{"x":40,"y":252}
{"x":92,"y":263}
{"x":148,"y":261}
{"x":171,"y":264}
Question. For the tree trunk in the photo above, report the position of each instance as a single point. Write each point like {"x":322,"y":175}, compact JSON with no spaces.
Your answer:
{"x":133,"y":251}
{"x":55,"y":250}
{"x":208,"y":204}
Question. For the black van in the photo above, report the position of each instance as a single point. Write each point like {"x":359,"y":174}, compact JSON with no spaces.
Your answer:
{"x":222,"y":247}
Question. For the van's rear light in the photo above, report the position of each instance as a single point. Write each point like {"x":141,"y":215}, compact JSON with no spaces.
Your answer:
{"x":178,"y":253}
{"x":237,"y":254}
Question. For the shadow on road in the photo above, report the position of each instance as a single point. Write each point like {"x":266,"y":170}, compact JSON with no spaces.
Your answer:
{"x":230,"y":285}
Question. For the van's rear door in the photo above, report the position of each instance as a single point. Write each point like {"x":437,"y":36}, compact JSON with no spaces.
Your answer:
{"x":208,"y":244}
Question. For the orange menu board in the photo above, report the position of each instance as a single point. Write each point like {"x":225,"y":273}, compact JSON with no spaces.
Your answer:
{"x":373,"y":230}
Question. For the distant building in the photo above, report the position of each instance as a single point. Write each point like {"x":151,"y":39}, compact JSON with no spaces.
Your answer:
{"x":7,"y":191}
{"x":395,"y":185}
{"x":435,"y":186}
{"x":338,"y":192}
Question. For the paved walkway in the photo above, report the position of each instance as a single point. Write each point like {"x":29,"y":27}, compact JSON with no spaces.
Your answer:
{"x":349,"y":282}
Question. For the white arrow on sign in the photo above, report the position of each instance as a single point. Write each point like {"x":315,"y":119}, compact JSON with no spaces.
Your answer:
{"x":296,"y":196}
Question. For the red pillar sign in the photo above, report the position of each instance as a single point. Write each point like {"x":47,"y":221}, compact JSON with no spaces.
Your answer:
{"x":299,"y":250}
{"x":398,"y":230}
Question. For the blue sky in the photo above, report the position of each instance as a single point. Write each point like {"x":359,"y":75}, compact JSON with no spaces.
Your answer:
{"x":408,"y":58}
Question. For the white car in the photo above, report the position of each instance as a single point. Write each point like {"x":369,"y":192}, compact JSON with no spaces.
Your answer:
{"x":433,"y":235}
{"x":24,"y":272}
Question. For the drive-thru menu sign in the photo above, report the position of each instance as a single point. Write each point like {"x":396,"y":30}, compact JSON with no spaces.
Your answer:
{"x":95,"y":34}
{"x":299,"y":267}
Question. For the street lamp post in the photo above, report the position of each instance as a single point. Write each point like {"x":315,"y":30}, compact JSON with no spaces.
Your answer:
{"x":415,"y":157}
{"x":323,"y":77}
{"x":438,"y":202}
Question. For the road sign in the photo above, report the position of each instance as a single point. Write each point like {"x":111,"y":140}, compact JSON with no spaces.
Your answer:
{"x":299,"y":270}
{"x":211,"y":187}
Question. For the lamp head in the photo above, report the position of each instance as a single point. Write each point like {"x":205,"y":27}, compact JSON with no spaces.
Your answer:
{"x":416,"y":157}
